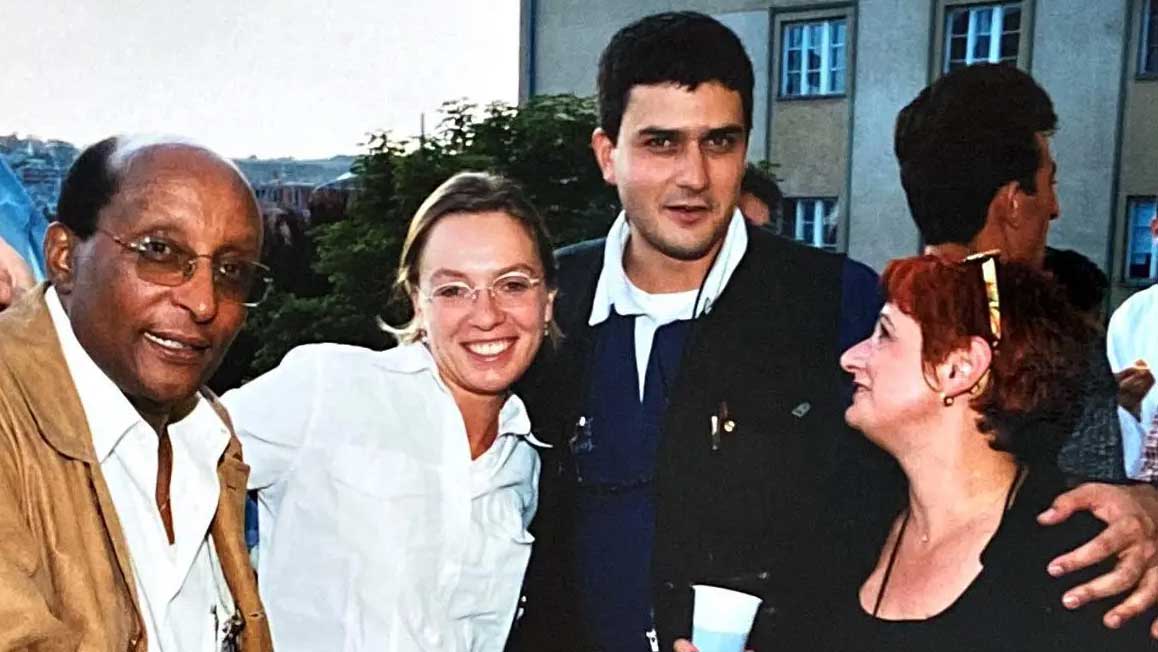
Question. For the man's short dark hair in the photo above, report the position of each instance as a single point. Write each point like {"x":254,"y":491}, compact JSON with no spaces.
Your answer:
{"x":89,"y":186}
{"x":683,"y":48}
{"x":1085,"y":283}
{"x":963,"y":138}
{"x":762,"y":186}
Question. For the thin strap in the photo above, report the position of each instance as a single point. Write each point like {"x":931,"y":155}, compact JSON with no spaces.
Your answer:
{"x":1013,"y":487}
{"x":892,"y":561}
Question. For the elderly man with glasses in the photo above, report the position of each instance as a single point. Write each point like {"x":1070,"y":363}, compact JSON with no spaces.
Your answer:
{"x":121,"y":482}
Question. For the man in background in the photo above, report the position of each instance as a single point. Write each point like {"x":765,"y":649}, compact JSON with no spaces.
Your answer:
{"x":760,"y":198}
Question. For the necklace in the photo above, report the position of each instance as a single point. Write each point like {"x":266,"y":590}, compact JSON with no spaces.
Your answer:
{"x":925,"y":539}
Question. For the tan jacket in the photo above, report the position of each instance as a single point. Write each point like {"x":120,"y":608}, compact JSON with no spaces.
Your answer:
{"x":66,"y":580}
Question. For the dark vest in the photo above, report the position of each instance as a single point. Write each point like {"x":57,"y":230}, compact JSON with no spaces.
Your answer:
{"x":751,"y":506}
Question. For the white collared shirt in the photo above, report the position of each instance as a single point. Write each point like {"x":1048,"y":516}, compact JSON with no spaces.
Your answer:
{"x":182,"y":595}
{"x":1133,"y":335}
{"x":615,"y":290}
{"x":378,"y":531}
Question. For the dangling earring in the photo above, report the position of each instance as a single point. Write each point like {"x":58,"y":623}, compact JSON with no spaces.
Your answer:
{"x":946,"y":400}
{"x":546,"y":329}
{"x":422,"y":336}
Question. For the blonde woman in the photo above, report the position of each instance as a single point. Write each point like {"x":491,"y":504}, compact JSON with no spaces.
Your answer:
{"x":395,"y":487}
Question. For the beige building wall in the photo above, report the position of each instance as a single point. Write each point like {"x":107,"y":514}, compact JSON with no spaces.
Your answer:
{"x":809,"y":135}
{"x":810,"y":146}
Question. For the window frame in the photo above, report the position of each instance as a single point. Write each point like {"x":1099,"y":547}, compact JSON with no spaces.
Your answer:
{"x":821,"y":207}
{"x":1149,"y":11}
{"x":996,"y":36}
{"x":1128,"y":250}
{"x":829,"y":65}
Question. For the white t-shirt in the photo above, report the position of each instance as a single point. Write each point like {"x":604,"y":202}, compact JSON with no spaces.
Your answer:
{"x":614,"y":290}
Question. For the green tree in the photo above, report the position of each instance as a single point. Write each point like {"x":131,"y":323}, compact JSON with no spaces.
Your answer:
{"x":544,"y":145}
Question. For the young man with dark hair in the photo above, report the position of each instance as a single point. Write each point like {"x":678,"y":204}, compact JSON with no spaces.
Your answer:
{"x":695,"y":404}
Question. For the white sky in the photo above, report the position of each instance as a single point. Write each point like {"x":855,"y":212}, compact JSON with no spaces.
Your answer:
{"x":303,"y":78}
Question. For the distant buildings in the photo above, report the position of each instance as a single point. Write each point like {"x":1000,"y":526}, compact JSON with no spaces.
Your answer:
{"x":287,"y":195}
{"x":331,"y":201}
{"x":283,"y":183}
{"x":287,"y":184}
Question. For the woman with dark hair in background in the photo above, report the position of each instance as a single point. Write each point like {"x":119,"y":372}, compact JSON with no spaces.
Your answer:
{"x":971,"y":380}
{"x":395,"y":487}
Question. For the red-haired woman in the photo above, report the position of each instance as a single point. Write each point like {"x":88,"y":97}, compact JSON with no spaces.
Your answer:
{"x":971,"y":380}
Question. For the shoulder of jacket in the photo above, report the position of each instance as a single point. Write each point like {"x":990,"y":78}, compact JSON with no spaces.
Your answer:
{"x":574,"y":260}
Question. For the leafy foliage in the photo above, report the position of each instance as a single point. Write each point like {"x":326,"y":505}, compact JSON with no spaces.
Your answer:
{"x":544,"y":145}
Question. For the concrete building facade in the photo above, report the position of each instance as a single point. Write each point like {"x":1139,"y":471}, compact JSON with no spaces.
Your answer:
{"x":831,"y":77}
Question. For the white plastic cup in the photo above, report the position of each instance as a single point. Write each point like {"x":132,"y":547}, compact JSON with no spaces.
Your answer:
{"x":722,"y":618}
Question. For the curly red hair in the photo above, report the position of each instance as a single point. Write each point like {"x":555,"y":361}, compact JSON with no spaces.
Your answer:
{"x":1040,"y":363}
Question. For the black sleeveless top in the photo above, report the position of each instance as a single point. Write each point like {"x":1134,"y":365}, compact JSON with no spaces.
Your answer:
{"x":1012,"y":605}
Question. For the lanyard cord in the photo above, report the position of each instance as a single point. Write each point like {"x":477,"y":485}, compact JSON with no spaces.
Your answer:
{"x":589,"y":363}
{"x":581,"y":433}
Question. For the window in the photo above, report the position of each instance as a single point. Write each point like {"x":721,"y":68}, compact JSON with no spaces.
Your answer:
{"x":812,"y":221}
{"x":813,"y":61}
{"x":1141,"y":248}
{"x":982,"y":33}
{"x":1148,"y":44}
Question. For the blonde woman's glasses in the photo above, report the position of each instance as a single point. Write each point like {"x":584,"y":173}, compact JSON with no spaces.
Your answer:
{"x":507,"y":291}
